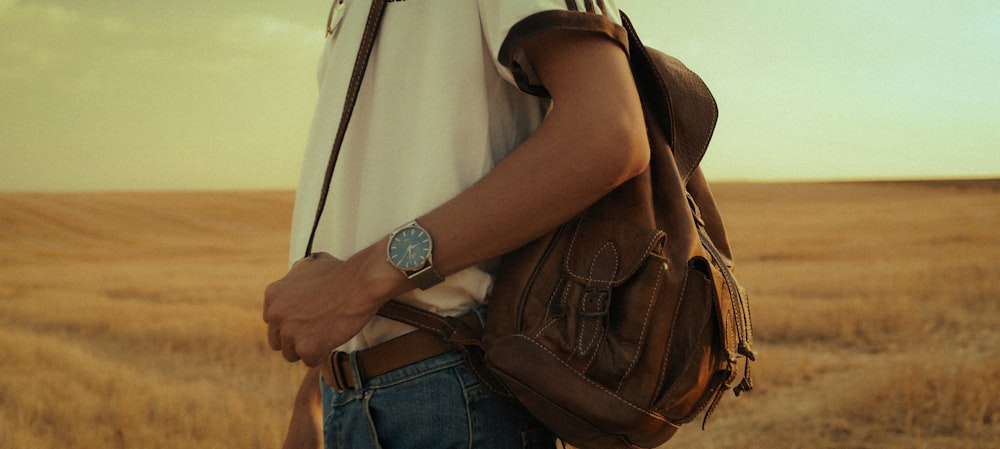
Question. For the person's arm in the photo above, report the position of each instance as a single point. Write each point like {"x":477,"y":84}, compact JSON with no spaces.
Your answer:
{"x":591,"y":141}
{"x":305,"y":429}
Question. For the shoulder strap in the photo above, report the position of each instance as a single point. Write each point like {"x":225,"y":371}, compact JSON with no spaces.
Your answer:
{"x":357,"y":75}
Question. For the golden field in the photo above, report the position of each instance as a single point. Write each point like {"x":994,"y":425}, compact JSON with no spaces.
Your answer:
{"x":132,"y":320}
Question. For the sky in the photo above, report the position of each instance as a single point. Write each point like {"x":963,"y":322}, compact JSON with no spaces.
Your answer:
{"x":103,"y":95}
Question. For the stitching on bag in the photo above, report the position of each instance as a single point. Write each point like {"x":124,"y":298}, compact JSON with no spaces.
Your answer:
{"x":593,"y":261}
{"x":583,"y":331}
{"x":673,"y":323}
{"x":544,"y":328}
{"x":716,"y":276}
{"x":734,"y":332}
{"x":745,"y":306}
{"x":599,"y":328}
{"x":592,"y":322}
{"x":730,"y":323}
{"x":572,"y":249}
{"x":593,"y":356}
{"x":588,"y":323}
{"x":645,"y":328}
{"x":601,"y":387}
{"x":555,"y":297}
{"x":562,"y":303}
{"x":727,"y":315}
{"x":672,"y":388}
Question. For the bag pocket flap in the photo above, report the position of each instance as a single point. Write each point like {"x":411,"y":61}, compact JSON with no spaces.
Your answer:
{"x":606,"y":253}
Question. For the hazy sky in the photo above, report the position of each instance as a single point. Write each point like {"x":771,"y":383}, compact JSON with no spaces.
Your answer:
{"x":186,"y":94}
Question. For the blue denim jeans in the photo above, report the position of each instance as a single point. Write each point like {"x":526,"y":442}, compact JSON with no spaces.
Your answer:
{"x":432,"y":404}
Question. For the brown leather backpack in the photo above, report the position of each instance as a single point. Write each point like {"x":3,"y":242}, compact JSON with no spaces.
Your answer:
{"x":627,"y":322}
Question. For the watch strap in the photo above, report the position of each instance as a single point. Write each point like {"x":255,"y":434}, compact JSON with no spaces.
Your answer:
{"x":426,"y":277}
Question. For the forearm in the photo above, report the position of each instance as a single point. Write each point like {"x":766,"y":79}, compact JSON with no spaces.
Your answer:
{"x":548,"y":180}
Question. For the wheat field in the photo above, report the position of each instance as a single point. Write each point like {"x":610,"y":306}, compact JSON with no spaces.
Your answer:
{"x":132,"y":320}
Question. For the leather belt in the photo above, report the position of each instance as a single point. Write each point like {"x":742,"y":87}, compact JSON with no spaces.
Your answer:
{"x":338,"y":372}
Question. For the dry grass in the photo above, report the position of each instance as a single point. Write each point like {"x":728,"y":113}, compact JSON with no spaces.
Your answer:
{"x":133,"y":320}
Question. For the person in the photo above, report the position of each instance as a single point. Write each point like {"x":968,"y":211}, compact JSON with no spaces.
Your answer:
{"x":480,"y":124}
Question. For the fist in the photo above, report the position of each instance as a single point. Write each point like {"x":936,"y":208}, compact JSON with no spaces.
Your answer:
{"x":318,"y":306}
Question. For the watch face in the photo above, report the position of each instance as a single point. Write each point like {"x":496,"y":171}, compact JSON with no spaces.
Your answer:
{"x":409,"y":248}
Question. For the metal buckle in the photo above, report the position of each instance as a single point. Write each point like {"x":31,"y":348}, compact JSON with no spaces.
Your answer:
{"x":595,"y":295}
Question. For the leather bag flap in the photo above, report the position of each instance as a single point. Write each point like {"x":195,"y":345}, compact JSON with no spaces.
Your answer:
{"x":606,"y":253}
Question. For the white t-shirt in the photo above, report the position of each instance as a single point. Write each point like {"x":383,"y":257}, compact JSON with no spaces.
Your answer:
{"x":447,"y":94}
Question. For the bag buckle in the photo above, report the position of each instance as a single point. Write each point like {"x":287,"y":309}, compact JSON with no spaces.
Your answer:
{"x":596,"y":301}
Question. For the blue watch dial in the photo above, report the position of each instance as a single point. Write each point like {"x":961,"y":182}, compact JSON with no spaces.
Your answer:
{"x":409,"y":248}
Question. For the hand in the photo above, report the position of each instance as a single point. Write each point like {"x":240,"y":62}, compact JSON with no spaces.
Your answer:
{"x":319,"y":305}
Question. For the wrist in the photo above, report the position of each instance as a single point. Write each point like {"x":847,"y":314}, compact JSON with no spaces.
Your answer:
{"x":380,"y":280}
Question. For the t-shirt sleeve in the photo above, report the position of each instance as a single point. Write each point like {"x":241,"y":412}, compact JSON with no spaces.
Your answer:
{"x":507,"y":24}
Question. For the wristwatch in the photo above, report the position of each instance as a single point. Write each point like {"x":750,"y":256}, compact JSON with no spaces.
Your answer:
{"x":410,"y":250}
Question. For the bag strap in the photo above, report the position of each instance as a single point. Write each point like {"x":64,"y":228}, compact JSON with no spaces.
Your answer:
{"x":464,"y":338}
{"x":357,"y":75}
{"x":450,"y":329}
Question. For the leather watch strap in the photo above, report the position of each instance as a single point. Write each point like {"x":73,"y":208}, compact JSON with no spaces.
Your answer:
{"x":426,"y":277}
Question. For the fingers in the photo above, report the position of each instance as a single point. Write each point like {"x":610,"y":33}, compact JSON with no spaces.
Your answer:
{"x":274,"y":337}
{"x":313,"y":360}
{"x":288,"y":352}
{"x":285,"y":344}
{"x":273,"y":322}
{"x":270,"y":292}
{"x":278,"y":342}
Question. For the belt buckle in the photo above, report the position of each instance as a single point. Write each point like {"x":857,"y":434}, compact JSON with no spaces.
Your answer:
{"x":339,"y":376}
